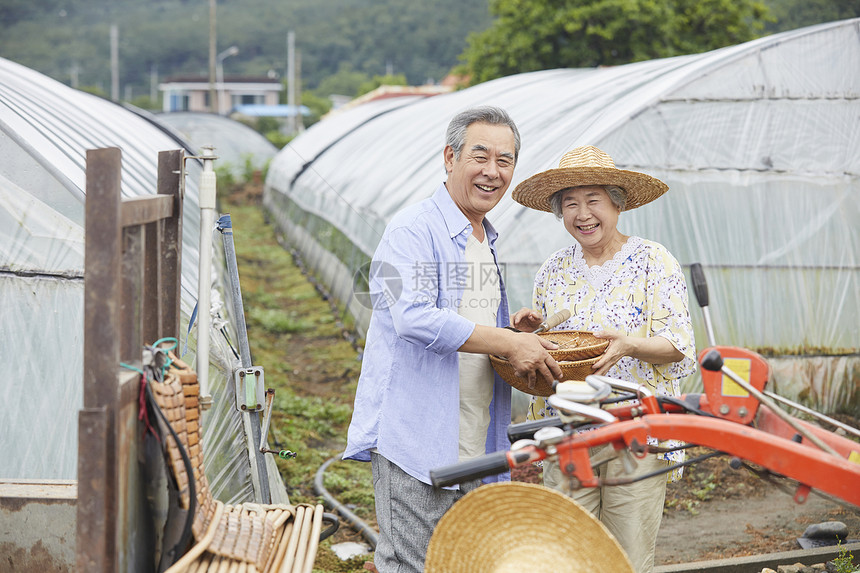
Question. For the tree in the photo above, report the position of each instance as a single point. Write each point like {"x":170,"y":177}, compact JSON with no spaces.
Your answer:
{"x":530,"y":35}
{"x":319,"y":106}
{"x":345,"y":82}
{"x":793,"y":14}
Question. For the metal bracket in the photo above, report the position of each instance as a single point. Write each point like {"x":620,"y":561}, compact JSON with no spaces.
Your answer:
{"x":249,"y":388}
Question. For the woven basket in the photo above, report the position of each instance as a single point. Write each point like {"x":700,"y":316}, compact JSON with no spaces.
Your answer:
{"x":571,"y":370}
{"x":575,"y":344}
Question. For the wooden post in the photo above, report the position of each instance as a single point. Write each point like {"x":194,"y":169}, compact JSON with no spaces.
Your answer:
{"x":131,"y":298}
{"x":170,"y":183}
{"x":96,"y":540}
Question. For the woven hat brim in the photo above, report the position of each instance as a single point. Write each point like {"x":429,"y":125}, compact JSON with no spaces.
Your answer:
{"x":535,"y":191}
{"x":515,"y":527}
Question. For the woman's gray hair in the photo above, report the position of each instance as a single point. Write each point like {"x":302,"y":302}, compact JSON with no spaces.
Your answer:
{"x":455,"y":136}
{"x":617,"y":195}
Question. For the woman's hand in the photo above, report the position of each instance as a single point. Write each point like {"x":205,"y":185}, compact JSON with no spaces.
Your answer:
{"x":526,"y":319}
{"x":619,"y":347}
{"x":654,"y":350}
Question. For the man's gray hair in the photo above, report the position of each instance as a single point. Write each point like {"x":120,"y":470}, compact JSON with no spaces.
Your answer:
{"x":455,"y":137}
{"x":617,"y":195}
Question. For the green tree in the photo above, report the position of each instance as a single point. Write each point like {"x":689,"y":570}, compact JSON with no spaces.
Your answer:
{"x":346,"y":81}
{"x":319,"y":106}
{"x":530,"y":35}
{"x":793,"y":14}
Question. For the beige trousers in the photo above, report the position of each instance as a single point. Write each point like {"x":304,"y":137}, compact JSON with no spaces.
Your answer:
{"x":631,"y":512}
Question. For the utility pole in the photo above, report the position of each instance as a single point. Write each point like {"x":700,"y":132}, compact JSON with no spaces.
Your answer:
{"x":212,"y":51}
{"x":114,"y":62}
{"x":73,"y":75}
{"x":153,"y":82}
{"x":291,"y":76}
{"x":300,"y":126}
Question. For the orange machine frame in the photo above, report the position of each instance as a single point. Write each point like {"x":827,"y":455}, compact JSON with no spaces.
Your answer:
{"x":739,"y":427}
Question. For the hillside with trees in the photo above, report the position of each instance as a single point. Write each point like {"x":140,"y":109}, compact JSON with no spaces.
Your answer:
{"x":69,"y":40}
{"x":350,"y":46}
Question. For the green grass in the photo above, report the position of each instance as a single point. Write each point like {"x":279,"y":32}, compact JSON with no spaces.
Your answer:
{"x":279,"y":322}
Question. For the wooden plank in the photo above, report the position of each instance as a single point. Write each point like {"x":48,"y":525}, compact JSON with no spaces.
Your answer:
{"x":94,"y":549}
{"x":143,"y":210}
{"x":152,"y":299}
{"x":135,"y":528}
{"x":96,"y":538}
{"x":101,"y":275}
{"x":130,"y":321}
{"x":170,"y":183}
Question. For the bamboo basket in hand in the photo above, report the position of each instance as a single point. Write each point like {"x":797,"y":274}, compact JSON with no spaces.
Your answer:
{"x":571,"y":370}
{"x":577,"y":351}
{"x":575,"y":344}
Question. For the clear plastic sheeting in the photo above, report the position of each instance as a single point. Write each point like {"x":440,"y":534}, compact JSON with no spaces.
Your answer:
{"x":45,"y":130}
{"x":40,"y":240}
{"x":760,"y":146}
{"x":43,"y":392}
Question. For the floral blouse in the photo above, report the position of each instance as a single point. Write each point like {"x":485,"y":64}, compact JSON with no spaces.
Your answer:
{"x":640,"y":292}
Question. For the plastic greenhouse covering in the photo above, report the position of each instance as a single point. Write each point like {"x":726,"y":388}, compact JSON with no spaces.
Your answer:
{"x":237,"y":146}
{"x":759,"y":144}
{"x":45,"y":130}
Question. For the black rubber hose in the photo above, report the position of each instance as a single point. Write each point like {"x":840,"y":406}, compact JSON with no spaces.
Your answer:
{"x":356,"y":522}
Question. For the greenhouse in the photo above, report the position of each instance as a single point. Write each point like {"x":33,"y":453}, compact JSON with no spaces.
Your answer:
{"x":759,"y":144}
{"x":46,"y":129}
{"x":239,"y":148}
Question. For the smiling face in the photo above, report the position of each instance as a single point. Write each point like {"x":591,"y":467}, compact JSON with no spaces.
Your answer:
{"x":591,"y":217}
{"x":478,"y":179}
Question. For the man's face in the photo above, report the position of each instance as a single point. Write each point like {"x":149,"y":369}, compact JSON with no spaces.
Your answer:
{"x":478,"y":179}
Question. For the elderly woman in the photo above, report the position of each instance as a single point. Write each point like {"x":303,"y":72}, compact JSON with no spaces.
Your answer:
{"x":625,"y":289}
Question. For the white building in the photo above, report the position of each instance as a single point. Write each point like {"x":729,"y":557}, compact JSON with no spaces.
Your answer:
{"x":192,"y":93}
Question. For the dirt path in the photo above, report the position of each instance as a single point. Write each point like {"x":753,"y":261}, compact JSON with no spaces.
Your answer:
{"x":766,"y":521}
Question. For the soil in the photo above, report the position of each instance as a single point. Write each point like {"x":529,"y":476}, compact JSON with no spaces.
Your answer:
{"x":713,"y":512}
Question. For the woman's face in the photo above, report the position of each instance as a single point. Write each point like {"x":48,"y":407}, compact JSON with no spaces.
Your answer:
{"x":589,"y":215}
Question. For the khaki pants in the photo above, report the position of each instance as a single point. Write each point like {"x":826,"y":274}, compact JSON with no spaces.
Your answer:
{"x":631,"y":512}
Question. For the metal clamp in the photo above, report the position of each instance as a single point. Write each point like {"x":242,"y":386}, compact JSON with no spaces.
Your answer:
{"x":249,"y":389}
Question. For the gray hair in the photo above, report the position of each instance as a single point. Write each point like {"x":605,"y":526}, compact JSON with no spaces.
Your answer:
{"x":617,"y":195}
{"x":455,"y":136}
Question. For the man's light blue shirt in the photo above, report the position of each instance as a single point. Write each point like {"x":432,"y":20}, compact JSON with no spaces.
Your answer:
{"x":407,"y":404}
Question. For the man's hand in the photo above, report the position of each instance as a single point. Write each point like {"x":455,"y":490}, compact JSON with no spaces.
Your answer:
{"x":526,"y":352}
{"x":529,"y":357}
{"x":526,"y":319}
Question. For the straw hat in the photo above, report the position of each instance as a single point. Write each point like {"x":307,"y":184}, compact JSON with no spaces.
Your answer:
{"x":512,"y":527}
{"x":587,"y":165}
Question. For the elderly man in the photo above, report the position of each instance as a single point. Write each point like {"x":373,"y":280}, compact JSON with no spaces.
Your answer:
{"x":427,"y":396}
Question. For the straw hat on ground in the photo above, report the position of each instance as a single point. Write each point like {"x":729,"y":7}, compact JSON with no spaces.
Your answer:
{"x":514,"y":527}
{"x":587,"y":165}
